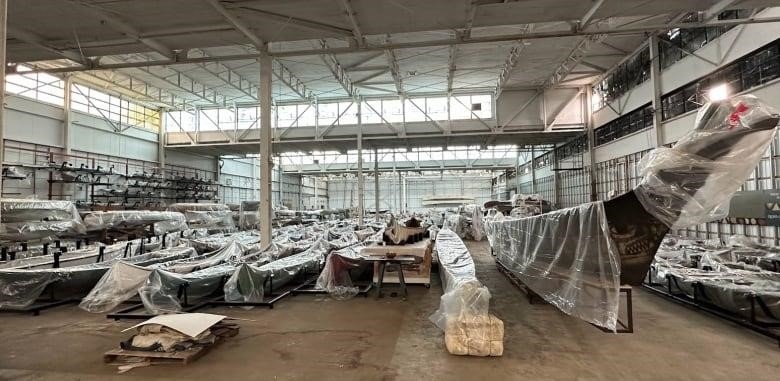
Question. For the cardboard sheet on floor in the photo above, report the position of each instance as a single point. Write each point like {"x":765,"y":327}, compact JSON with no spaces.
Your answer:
{"x":192,"y":324}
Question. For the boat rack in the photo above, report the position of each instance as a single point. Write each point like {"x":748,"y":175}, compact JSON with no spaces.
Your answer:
{"x":698,"y":301}
{"x":217,"y":299}
{"x":626,"y":326}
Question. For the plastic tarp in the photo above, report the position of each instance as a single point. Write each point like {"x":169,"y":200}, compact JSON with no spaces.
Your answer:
{"x":206,"y":216}
{"x":161,"y":293}
{"x":723,"y":282}
{"x":248,"y":283}
{"x":164,"y":222}
{"x":463,"y":313}
{"x":567,"y":257}
{"x":336,"y":277}
{"x":248,"y":214}
{"x":681,"y":187}
{"x":28,"y":219}
{"x":218,"y":241}
{"x":124,"y":280}
{"x":20,"y":288}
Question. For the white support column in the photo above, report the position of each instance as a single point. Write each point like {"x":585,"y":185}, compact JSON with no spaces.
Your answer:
{"x":533,"y":170}
{"x":3,"y":22}
{"x":655,"y":82}
{"x":376,"y":185}
{"x":556,"y":194}
{"x":160,"y":142}
{"x":403,"y":194}
{"x":360,"y":179}
{"x":588,"y":118}
{"x":266,"y":150}
{"x":400,"y":193}
{"x":256,"y":175}
{"x":316,"y":203}
{"x":67,"y":123}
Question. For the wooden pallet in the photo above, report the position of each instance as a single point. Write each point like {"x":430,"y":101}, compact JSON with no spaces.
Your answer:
{"x":123,"y":357}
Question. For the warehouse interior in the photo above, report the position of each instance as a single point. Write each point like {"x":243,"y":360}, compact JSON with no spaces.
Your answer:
{"x":390,"y":189}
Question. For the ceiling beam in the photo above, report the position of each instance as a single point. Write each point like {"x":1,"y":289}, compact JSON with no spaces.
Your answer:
{"x":511,"y":62}
{"x":308,"y":24}
{"x":574,"y":58}
{"x":352,"y":16}
{"x":230,"y":76}
{"x":372,"y":76}
{"x":593,"y":66}
{"x":369,"y":68}
{"x":289,"y":79}
{"x":355,"y":66}
{"x":716,"y":9}
{"x":34,"y":39}
{"x":337,"y":70}
{"x":588,"y":17}
{"x":451,"y":67}
{"x":421,"y":44}
{"x":393,"y":63}
{"x":122,"y":26}
{"x":236,"y":23}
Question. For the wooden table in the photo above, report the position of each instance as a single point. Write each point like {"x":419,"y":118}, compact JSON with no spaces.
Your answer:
{"x":417,"y":273}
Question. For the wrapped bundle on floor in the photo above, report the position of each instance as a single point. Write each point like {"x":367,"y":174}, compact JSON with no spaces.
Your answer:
{"x":463,"y":315}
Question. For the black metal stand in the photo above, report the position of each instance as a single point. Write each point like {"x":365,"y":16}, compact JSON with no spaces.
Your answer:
{"x":310,"y":288}
{"x":766,"y":328}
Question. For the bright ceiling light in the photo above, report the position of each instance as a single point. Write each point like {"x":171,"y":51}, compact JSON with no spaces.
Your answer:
{"x":718,"y":93}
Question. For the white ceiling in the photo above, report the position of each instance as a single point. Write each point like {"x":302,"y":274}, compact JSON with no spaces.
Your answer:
{"x":143,"y":30}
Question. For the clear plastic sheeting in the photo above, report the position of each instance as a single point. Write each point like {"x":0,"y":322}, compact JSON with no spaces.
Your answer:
{"x":248,"y":214}
{"x":205,"y":216}
{"x":28,"y":219}
{"x":719,"y":276}
{"x":463,"y":314}
{"x":336,"y":278}
{"x":200,"y":277}
{"x":692,"y":182}
{"x":21,"y":288}
{"x":217,"y":241}
{"x":477,"y":225}
{"x":249,"y":282}
{"x":567,"y":257}
{"x":164,"y":222}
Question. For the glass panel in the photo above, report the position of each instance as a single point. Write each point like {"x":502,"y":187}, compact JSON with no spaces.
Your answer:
{"x":328,"y":113}
{"x":413,"y":113}
{"x":392,"y":110}
{"x":348,"y":112}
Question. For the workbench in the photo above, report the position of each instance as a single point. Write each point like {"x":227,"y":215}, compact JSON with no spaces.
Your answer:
{"x":418,"y":273}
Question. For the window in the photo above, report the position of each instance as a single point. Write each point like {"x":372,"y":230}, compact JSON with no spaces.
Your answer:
{"x":756,"y":68}
{"x":393,"y":110}
{"x":114,"y":108}
{"x":414,"y":110}
{"x":38,"y":86}
{"x":371,"y":112}
{"x":634,"y":121}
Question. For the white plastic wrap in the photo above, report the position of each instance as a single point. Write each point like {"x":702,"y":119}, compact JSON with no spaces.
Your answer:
{"x":477,"y":225}
{"x":335,"y":277}
{"x":21,"y":288}
{"x":248,"y":214}
{"x":205,"y":216}
{"x":248,"y":283}
{"x":29,"y":219}
{"x":463,"y":313}
{"x":692,"y":182}
{"x":164,"y":222}
{"x":567,"y":257}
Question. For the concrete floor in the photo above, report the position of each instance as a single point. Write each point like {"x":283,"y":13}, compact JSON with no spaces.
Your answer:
{"x":317,"y":338}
